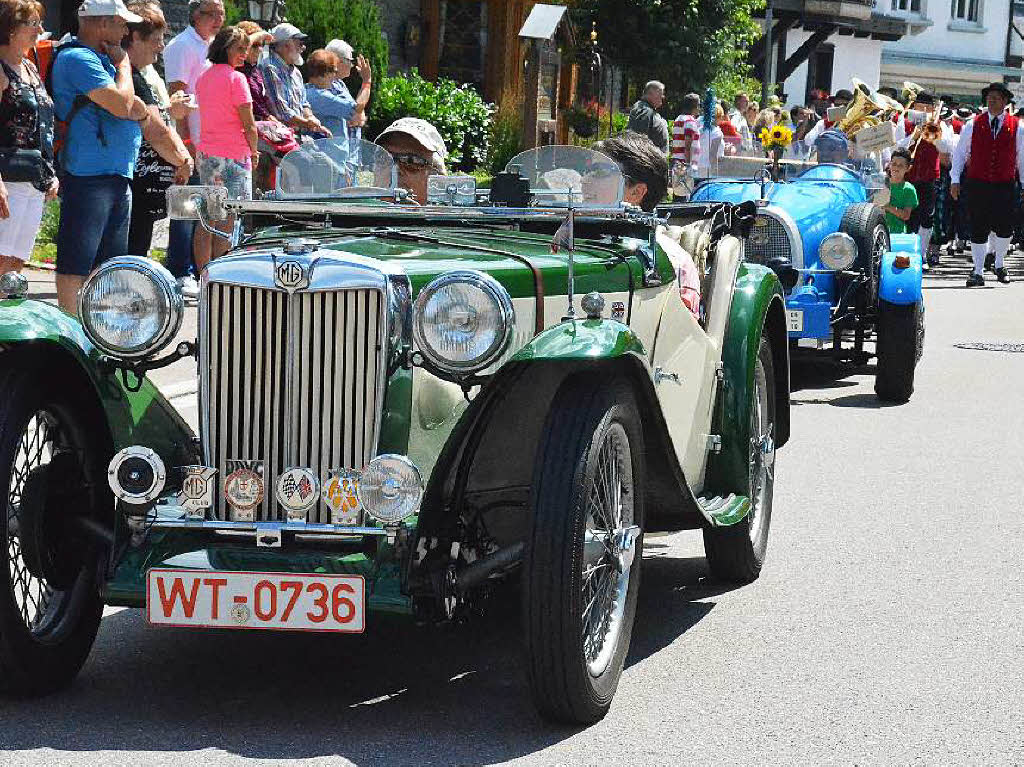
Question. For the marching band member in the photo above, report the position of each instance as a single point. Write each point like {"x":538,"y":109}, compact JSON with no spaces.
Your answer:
{"x":926,"y":155}
{"x":841,"y":99}
{"x":991,"y":149}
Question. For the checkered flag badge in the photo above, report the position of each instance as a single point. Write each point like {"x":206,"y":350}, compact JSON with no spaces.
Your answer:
{"x":563,"y":238}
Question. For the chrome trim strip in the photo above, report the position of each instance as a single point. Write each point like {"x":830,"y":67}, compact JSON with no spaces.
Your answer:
{"x":255,"y":527}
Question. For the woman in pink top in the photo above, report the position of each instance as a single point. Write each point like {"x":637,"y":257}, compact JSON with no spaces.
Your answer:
{"x":228,"y":139}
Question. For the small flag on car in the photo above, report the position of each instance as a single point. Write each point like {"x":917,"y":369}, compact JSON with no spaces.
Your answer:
{"x":563,"y":238}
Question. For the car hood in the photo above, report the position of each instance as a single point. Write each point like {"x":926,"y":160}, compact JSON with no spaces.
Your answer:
{"x":423,"y":254}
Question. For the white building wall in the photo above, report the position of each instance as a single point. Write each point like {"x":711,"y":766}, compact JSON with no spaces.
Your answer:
{"x":952,"y":56}
{"x":854,"y":57}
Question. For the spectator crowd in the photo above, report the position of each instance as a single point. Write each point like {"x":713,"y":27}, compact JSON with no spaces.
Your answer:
{"x":89,"y":119}
{"x":978,"y":216}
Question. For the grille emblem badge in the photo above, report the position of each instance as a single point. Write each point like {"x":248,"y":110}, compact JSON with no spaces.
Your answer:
{"x":197,"y":489}
{"x":291,"y":275}
{"x":244,"y":489}
{"x":298,"y":490}
{"x":339,"y":493}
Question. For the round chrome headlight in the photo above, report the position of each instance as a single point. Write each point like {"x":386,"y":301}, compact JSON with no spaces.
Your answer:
{"x":463,"y":321}
{"x":837,"y":251}
{"x":390,"y":488}
{"x":130,"y":307}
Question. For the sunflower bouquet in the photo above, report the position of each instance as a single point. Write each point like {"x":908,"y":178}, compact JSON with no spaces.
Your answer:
{"x":776,"y":137}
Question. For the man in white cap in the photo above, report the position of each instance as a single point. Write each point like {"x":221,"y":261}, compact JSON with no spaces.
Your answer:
{"x":93,"y":94}
{"x":184,"y":61}
{"x":346,"y":56}
{"x":285,"y":88}
{"x":418,"y":151}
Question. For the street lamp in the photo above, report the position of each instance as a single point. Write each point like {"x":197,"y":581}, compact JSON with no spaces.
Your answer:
{"x":266,"y":13}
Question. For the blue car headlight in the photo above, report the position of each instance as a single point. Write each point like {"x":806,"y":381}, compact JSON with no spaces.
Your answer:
{"x":837,"y":251}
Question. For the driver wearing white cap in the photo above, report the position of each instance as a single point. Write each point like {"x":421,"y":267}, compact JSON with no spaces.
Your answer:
{"x":418,"y":151}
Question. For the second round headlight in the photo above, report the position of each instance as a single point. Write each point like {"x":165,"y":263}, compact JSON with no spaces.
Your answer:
{"x":838,"y":251}
{"x":463,"y":321}
{"x":130,"y":307}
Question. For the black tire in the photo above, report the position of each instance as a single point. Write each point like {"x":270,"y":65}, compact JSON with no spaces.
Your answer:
{"x":46,"y":632}
{"x":865,"y":223}
{"x":591,"y":424}
{"x":737,"y":553}
{"x":899,"y":347}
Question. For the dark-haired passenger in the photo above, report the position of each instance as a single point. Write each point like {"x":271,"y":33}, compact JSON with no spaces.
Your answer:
{"x":645,"y":171}
{"x":227,"y":148}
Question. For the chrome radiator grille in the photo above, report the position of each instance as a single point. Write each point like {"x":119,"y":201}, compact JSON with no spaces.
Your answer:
{"x":768,"y":239}
{"x":290,"y":380}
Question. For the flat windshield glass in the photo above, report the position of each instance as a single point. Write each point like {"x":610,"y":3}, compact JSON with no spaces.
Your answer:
{"x":336,"y":167}
{"x":723,"y":158}
{"x":561,"y":176}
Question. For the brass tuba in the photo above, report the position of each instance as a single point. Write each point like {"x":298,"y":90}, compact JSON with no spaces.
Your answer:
{"x":862,"y":112}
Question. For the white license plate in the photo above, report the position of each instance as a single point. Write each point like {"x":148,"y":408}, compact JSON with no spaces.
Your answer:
{"x":795,"y":320}
{"x":284,"y":601}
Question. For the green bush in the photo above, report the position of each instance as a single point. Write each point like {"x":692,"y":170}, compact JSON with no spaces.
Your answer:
{"x":458,"y":112}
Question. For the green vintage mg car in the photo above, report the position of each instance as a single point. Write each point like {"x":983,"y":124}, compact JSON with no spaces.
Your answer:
{"x":399,"y":406}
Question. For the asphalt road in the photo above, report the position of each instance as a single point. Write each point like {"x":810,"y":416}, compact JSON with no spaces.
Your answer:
{"x":887,"y":626}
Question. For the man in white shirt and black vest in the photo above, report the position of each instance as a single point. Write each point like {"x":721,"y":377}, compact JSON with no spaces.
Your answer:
{"x":989,"y":157}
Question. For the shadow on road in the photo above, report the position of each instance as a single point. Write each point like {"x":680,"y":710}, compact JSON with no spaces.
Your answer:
{"x":396,"y":695}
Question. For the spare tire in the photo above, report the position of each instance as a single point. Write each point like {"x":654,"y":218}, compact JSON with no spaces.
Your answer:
{"x":865,"y":223}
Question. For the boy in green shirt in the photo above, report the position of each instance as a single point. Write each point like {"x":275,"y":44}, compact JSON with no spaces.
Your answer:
{"x":902,"y":195}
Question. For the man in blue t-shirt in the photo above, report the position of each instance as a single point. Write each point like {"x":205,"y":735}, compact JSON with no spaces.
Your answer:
{"x":93,"y":92}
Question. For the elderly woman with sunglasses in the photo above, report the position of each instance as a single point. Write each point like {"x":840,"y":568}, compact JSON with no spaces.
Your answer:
{"x":418,"y":151}
{"x":27,"y":174}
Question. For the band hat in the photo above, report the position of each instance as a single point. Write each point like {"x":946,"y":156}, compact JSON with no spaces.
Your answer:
{"x":424,"y":133}
{"x":284,"y":32}
{"x":1007,"y":93}
{"x":964,"y":113}
{"x":843,"y":94}
{"x":93,"y":8}
{"x":924,"y":98}
{"x":341,"y":49}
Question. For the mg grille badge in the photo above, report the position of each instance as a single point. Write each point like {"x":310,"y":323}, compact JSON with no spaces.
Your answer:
{"x":291,"y":275}
{"x":197,"y":489}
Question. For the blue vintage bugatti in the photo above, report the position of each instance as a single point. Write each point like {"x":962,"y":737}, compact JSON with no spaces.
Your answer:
{"x":852,"y":282}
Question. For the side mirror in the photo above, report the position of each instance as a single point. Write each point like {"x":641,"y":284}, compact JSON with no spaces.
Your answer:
{"x":191,"y":203}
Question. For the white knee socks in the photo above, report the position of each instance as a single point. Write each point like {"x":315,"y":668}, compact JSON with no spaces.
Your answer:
{"x":926,"y":238}
{"x":1002,"y":247}
{"x":978,"y":252}
{"x":991,"y":247}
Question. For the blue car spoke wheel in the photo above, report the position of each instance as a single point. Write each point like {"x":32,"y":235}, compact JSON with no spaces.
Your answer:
{"x":736,"y":553}
{"x":582,"y":568}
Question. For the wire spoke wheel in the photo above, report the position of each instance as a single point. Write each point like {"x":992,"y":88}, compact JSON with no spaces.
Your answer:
{"x":605,"y":578}
{"x":581,"y":574}
{"x":762,"y":454}
{"x":33,"y":596}
{"x":50,"y":607}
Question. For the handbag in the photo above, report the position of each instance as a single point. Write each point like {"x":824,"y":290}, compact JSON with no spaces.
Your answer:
{"x":23,"y":165}
{"x":27,"y":165}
